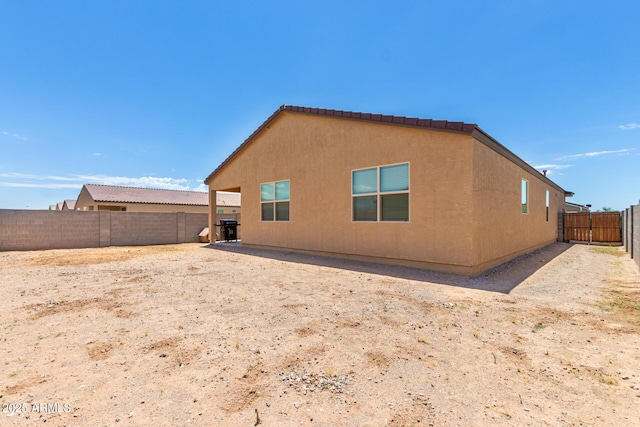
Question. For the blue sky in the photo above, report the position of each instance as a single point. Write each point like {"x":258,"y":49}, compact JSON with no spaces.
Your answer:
{"x":158,"y":93}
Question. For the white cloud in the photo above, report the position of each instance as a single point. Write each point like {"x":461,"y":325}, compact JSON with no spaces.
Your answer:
{"x":76,"y":181}
{"x":36,"y":177}
{"x":552,"y":167}
{"x":630,"y":126}
{"x":38,"y":185}
{"x":144,"y":181}
{"x":202,"y":187}
{"x":15,"y":135}
{"x":594,"y":154}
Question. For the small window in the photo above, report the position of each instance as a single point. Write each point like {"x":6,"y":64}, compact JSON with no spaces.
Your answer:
{"x":220,"y":211}
{"x":525,"y":196}
{"x":381,"y":193}
{"x":547,"y":203}
{"x":274,"y":200}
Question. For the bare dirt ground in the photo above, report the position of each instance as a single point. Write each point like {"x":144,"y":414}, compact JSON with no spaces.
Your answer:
{"x":228,"y":336}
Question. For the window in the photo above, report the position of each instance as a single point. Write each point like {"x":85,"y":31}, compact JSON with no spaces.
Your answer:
{"x":274,"y":201}
{"x":547,"y":204}
{"x":525,"y":196}
{"x":381,"y":193}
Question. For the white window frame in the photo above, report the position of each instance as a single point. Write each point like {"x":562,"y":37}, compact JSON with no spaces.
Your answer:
{"x":378,"y":194}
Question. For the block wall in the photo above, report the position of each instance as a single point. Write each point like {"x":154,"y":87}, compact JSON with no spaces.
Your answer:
{"x":636,"y":234}
{"x":143,"y":228}
{"x":28,"y":230}
{"x":37,"y":230}
{"x":194,"y":224}
{"x":631,"y":232}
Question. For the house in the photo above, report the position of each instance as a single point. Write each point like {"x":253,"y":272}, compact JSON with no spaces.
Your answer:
{"x":418,"y":192}
{"x":574,"y":207}
{"x":95,"y":197}
{"x":227,"y":202}
{"x":69,"y":205}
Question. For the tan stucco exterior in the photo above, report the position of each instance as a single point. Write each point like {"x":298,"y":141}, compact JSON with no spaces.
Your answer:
{"x":227,"y":210}
{"x":501,"y":230}
{"x":464,"y":197}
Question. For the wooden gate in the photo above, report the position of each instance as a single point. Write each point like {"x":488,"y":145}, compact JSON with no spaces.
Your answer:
{"x":577,"y":226}
{"x":606,"y":227}
{"x":601,"y":227}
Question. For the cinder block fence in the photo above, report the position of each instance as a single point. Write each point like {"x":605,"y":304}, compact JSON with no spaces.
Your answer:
{"x":631,"y":232}
{"x":35,"y":230}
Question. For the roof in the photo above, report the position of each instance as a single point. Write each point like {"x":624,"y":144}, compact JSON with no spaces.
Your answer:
{"x":71,"y":204}
{"x":440,"y":125}
{"x":225,"y":198}
{"x":112,"y":193}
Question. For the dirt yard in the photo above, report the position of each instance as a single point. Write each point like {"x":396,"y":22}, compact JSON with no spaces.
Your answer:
{"x":188,"y":335}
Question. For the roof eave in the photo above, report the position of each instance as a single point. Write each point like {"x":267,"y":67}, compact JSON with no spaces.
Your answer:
{"x":246,"y":142}
{"x":150,"y":203}
{"x":490,"y":142}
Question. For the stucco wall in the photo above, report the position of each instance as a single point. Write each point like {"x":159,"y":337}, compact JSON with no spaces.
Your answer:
{"x":84,"y":200}
{"x":146,"y":207}
{"x":500,"y":229}
{"x":465,"y":210}
{"x":318,"y":155}
{"x":34,"y":230}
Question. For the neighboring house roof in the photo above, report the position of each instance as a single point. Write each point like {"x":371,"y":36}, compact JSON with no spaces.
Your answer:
{"x":577,"y":207}
{"x":115,"y":194}
{"x":440,"y":125}
{"x":225,"y":198}
{"x":70,"y":204}
{"x":59,"y":206}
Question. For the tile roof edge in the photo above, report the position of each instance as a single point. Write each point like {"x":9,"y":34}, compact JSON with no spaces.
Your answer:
{"x":120,"y":199}
{"x":444,"y":125}
{"x":493,"y":144}
{"x":382,"y":118}
{"x":145,"y":188}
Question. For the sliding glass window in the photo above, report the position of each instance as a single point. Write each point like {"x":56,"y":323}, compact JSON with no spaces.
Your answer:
{"x":381,"y":193}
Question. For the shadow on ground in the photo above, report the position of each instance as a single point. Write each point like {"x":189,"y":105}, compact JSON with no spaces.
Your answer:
{"x":503,"y":278}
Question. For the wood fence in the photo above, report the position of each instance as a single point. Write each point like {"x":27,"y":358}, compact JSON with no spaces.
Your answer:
{"x":601,"y":227}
